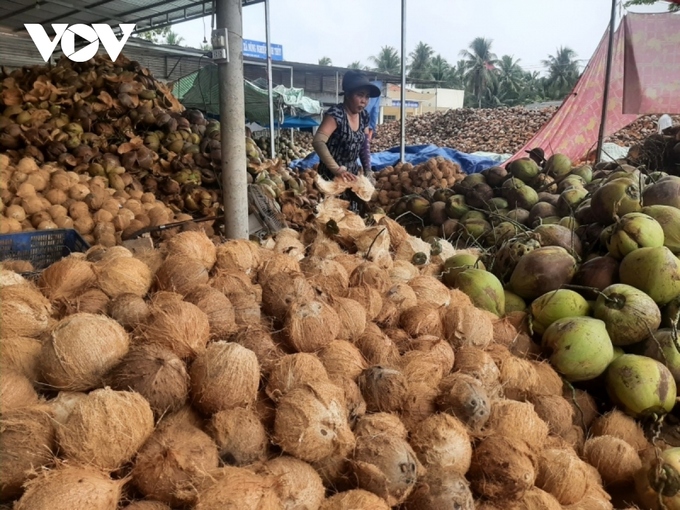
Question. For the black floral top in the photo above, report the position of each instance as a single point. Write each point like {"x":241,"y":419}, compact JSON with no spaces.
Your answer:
{"x":345,"y":144}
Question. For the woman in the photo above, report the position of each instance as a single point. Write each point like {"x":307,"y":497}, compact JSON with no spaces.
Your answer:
{"x":344,"y":135}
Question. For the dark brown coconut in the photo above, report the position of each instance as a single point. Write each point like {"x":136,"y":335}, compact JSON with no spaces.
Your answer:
{"x":599,"y":272}
{"x":383,"y":389}
{"x":422,"y":319}
{"x":240,"y":436}
{"x":352,"y":499}
{"x":377,"y":347}
{"x":24,"y":311}
{"x":179,"y":274}
{"x":217,"y":307}
{"x":299,"y":486}
{"x":480,"y":365}
{"x":282,"y":290}
{"x":342,"y":360}
{"x":352,"y":317}
{"x":464,"y":397}
{"x":467,"y":326}
{"x":562,"y":474}
{"x":542,"y":270}
{"x":181,"y":327}
{"x":519,"y":420}
{"x":442,"y":442}
{"x":311,"y":326}
{"x":154,"y":372}
{"x":294,"y":370}
{"x":556,"y":411}
{"x":616,"y":423}
{"x":585,"y":408}
{"x":22,"y":355}
{"x":558,"y":235}
{"x":260,"y":341}
{"x":444,"y":489}
{"x":147,"y":505}
{"x":224,"y":365}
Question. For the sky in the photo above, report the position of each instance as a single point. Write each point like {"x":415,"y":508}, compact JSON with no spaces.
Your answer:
{"x":350,"y":30}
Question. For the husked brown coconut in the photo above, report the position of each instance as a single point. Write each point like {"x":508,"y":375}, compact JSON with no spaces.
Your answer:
{"x":181,"y":274}
{"x":536,"y":499}
{"x":129,"y":310}
{"x":311,"y":422}
{"x":299,"y":486}
{"x":23,"y":311}
{"x":518,"y":377}
{"x":442,"y":442}
{"x":388,"y":317}
{"x":467,"y":326}
{"x":311,"y":326}
{"x":519,"y":420}
{"x":431,"y":291}
{"x":438,"y":348}
{"x":68,"y":487}
{"x":615,"y":460}
{"x":233,"y":283}
{"x":504,"y":332}
{"x":342,"y":360}
{"x":217,"y":307}
{"x":62,"y":405}
{"x":181,"y":327}
{"x":401,"y":339}
{"x":441,"y":489}
{"x":225,"y":376}
{"x":618,"y":424}
{"x":153,"y":258}
{"x":575,"y":437}
{"x":192,"y":244}
{"x":352,"y":317}
{"x":240,"y":436}
{"x":163,"y":298}
{"x":87,"y":436}
{"x":356,"y":405}
{"x":81,"y":349}
{"x":66,"y":278}
{"x":369,"y":298}
{"x":387,"y":466}
{"x":421,"y":367}
{"x":550,"y":382}
{"x":354,"y":499}
{"x":294,"y":370}
{"x":554,"y":410}
{"x":422,"y":319}
{"x":21,"y":354}
{"x":463,"y":396}
{"x":585,"y":408}
{"x":273,"y":263}
{"x":26,"y":444}
{"x":237,"y":255}
{"x":175,"y":454}
{"x":282,"y":290}
{"x":123,"y":275}
{"x":156,"y":373}
{"x":419,"y":404}
{"x":147,"y":505}
{"x":503,"y":468}
{"x":384,"y":389}
{"x":403,"y":272}
{"x":234,"y":487}
{"x":562,"y":474}
{"x":371,"y":274}
{"x":480,"y":365}
{"x":596,"y":498}
{"x":348,"y":261}
{"x":246,"y":310}
{"x":260,"y":341}
{"x":398,"y":234}
{"x":375,"y":424}
{"x":326,"y":276}
{"x":377,"y":347}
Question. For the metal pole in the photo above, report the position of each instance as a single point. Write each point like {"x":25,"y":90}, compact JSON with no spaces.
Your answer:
{"x":607,"y":79}
{"x":403,"y":83}
{"x":272,"y":148}
{"x":232,"y":123}
{"x":291,"y":86}
{"x":337,"y":87}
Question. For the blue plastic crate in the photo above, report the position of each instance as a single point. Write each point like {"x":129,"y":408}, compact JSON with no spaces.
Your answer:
{"x":41,"y":247}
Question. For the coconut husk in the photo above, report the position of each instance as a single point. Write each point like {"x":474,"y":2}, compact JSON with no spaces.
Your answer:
{"x":324,"y":248}
{"x":275,"y":263}
{"x":422,"y":319}
{"x":464,"y":397}
{"x":403,"y":272}
{"x":293,"y":370}
{"x":162,"y":298}
{"x":596,"y":498}
{"x":152,"y":258}
{"x":235,"y":487}
{"x":175,"y":454}
{"x":504,"y":332}
{"x":66,"y":278}
{"x":388,"y":317}
{"x":224,"y":365}
{"x":356,"y":405}
{"x":373,"y":244}
{"x":68,"y":487}
{"x":550,"y":381}
{"x":21,"y":354}
{"x":8,"y":277}
{"x":26,"y":444}
{"x":362,"y":187}
{"x":246,"y":310}
{"x":443,"y":489}
{"x":129,"y":310}
{"x":518,"y":377}
{"x":371,"y":274}
{"x":383,"y":389}
{"x":342,"y":360}
{"x":480,"y":365}
{"x":503,"y":468}
{"x":421,"y":367}
{"x":147,"y":505}
{"x":585,"y":408}
{"x":615,"y":460}
{"x":519,"y":420}
{"x":467,"y":326}
{"x":17,"y":266}
{"x":91,"y":301}
{"x":181,"y":327}
{"x":575,"y":438}
{"x":260,"y":341}
{"x":556,"y":411}
{"x":180,"y":274}
{"x":81,"y":349}
{"x":238,"y":255}
{"x":348,"y":261}
{"x":401,"y":339}
{"x":335,"y":473}
{"x":355,"y":498}
{"x":499,"y":353}
{"x":374,"y":424}
{"x":398,"y":234}
{"x":328,"y":277}
{"x":299,"y":485}
{"x":524,"y":347}
{"x":369,"y":298}
{"x":616,"y":423}
{"x":431,"y":291}
{"x":154,"y":372}
{"x":440,"y":350}
{"x":240,"y":436}
{"x":318,"y":413}
{"x":442,"y":442}
{"x":411,"y":247}
{"x":98,"y":253}
{"x":282,"y":290}
{"x":86,"y":436}
{"x":352,"y":317}
{"x":23,"y":311}
{"x":562,"y":474}
{"x":62,"y":405}
{"x":217,"y":307}
{"x":289,"y":245}
{"x":402,"y":296}
{"x":377,"y":347}
{"x":311,"y":326}
{"x":386,"y":466}
{"x":192,"y":244}
{"x":419,"y":404}
{"x":536,"y":499}
{"x":123,"y":275}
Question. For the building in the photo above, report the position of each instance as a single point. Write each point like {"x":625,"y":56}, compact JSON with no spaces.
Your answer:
{"x":419,"y":101}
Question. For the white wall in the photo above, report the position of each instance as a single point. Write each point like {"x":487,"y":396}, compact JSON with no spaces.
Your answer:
{"x":445,"y":99}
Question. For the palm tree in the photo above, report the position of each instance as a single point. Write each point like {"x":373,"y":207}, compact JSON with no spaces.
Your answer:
{"x":156,"y":35}
{"x":439,"y":68}
{"x":421,"y":57}
{"x":510,"y":77}
{"x":563,"y":72}
{"x":173,"y":38}
{"x":325,"y":61}
{"x":672,"y":7}
{"x":387,"y":60}
{"x":206,"y":46}
{"x":480,"y":67}
{"x":455,"y":78}
{"x":355,"y":65}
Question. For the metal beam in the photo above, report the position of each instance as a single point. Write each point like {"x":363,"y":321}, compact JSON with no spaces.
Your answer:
{"x":402,"y":138}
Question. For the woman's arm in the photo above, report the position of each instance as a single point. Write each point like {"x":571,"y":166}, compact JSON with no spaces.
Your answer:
{"x":326,"y":129}
{"x":365,"y":153}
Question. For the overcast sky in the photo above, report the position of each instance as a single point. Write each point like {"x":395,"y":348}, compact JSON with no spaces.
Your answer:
{"x":349,"y":30}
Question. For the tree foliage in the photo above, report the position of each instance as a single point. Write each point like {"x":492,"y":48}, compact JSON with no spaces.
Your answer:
{"x":325,"y":61}
{"x":387,"y":60}
{"x":672,"y":7}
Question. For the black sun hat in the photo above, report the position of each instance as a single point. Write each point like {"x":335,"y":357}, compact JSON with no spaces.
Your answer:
{"x":537,"y":152}
{"x":355,"y":80}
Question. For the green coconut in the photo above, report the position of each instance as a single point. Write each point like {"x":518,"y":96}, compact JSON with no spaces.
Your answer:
{"x":633,"y":231}
{"x":640,"y":385}
{"x":585,"y":172}
{"x":524,"y":169}
{"x":665,"y":349}
{"x":615,"y":198}
{"x":669,"y":219}
{"x":514,"y":303}
{"x":459,"y":263}
{"x":579,"y":347}
{"x":541,"y":271}
{"x":524,"y":198}
{"x":483,"y":288}
{"x":655,"y":271}
{"x":629,"y":313}
{"x":555,"y":305}
{"x":456,"y":207}
{"x":570,"y":199}
{"x":558,"y":166}
{"x":658,"y":482}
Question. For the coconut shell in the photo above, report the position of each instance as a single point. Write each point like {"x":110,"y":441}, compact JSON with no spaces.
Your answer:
{"x":21,"y":354}
{"x":66,"y":278}
{"x":442,"y":442}
{"x":311,"y":326}
{"x":217,"y":307}
{"x":480,"y":365}
{"x":352,"y":317}
{"x":562,"y":474}
{"x":615,"y":460}
{"x":556,"y":411}
{"x":387,"y":466}
{"x":467,"y":326}
{"x":503,"y":468}
{"x":616,"y":423}
{"x":180,"y":274}
{"x":282,"y":290}
{"x":422,"y":319}
{"x":440,"y":350}
{"x":175,"y":454}
{"x":192,"y":244}
{"x":518,"y":377}
{"x":353,"y":499}
{"x":23,"y":311}
{"x":260,"y":341}
{"x":464,"y":397}
{"x":342,"y":360}
{"x":154,"y":372}
{"x":377,"y":347}
{"x":181,"y":327}
{"x":292,"y":371}
{"x":316,"y":413}
{"x":299,"y":486}
{"x":81,"y":349}
{"x":374,"y":424}
{"x":419,"y":404}
{"x":369,"y":298}
{"x":519,"y":420}
{"x":224,"y":365}
{"x":129,"y":310}
{"x":123,"y":275}
{"x":585,"y":408}
{"x":237,"y":255}
{"x":26,"y":444}
{"x":550,"y":381}
{"x":431,"y":291}
{"x":444,"y":489}
{"x":383,"y":389}
{"x":240,"y":436}
{"x":69,"y":487}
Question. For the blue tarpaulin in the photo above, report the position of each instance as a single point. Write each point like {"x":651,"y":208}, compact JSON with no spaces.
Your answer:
{"x":415,"y":154}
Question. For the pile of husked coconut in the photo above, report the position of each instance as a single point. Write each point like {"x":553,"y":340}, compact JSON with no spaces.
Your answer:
{"x":323,"y":370}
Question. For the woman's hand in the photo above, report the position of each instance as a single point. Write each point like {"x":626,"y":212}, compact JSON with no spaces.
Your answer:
{"x":344,"y":175}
